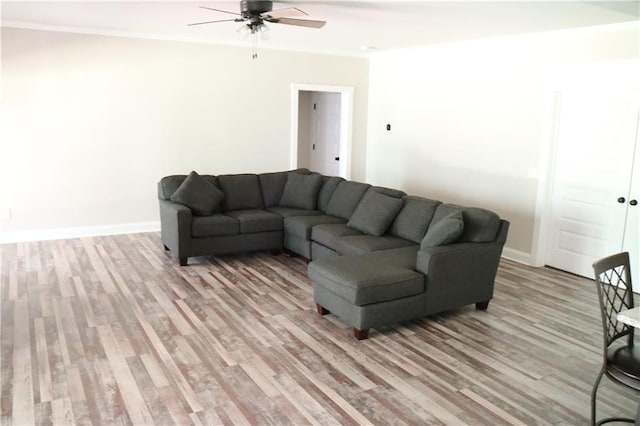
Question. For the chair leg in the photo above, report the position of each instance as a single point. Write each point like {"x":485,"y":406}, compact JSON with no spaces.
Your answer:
{"x":594,"y":391}
{"x":183,"y":261}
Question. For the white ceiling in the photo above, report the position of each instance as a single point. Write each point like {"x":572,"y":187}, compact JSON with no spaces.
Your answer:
{"x":350,"y":24}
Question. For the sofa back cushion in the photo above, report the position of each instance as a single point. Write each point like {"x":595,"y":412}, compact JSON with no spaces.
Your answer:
{"x":168,"y":184}
{"x":480,"y":225}
{"x":345,"y":198}
{"x":395,"y":193}
{"x":272,"y":185}
{"x":241,"y":192}
{"x":329,"y":185}
{"x":301,"y":191}
{"x":414,"y":218}
{"x":374,"y":213}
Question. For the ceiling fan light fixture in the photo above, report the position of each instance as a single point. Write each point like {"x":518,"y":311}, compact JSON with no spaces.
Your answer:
{"x":254,"y":13}
{"x":264,"y":31}
{"x":245,"y":30}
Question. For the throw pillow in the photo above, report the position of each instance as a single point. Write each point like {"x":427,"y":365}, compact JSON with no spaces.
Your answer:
{"x":199,"y":195}
{"x":446,"y":231}
{"x":301,"y":191}
{"x":374,"y":213}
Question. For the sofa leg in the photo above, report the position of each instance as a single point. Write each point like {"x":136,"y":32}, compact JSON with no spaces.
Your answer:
{"x":360,"y":334}
{"x":482,"y":306}
{"x":290,"y":253}
{"x":166,"y":248}
{"x":183,"y":261}
{"x":321,"y":309}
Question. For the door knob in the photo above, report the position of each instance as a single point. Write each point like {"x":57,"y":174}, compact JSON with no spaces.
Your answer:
{"x":621,"y":200}
{"x":633,"y":202}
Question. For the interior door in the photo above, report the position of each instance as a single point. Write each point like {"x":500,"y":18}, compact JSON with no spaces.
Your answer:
{"x":325,"y":128}
{"x":631,"y":239}
{"x":596,"y":139}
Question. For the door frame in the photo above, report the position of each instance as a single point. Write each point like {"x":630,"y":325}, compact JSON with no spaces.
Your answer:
{"x":346,"y":123}
{"x":608,"y":74}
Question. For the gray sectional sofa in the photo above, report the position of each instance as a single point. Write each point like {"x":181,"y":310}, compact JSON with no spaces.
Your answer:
{"x":379,"y":256}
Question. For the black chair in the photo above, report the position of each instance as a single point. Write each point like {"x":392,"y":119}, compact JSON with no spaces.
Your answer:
{"x":621,"y":361}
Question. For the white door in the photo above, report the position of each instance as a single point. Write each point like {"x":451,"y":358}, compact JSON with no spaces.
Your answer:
{"x":596,"y":140}
{"x":631,"y":239}
{"x":325,"y":133}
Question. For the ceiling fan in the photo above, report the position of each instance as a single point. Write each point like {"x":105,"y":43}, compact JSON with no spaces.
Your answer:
{"x":256,"y":12}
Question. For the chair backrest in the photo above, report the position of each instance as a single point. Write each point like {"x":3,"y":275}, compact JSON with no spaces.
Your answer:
{"x":615,"y":294}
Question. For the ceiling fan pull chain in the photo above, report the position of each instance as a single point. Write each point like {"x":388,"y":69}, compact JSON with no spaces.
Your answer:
{"x":255,"y":46}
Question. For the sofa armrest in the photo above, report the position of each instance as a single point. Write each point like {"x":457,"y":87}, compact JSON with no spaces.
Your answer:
{"x":175,"y":226}
{"x":458,"y":274}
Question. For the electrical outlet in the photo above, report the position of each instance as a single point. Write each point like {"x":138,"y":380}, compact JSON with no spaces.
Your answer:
{"x":5,"y":213}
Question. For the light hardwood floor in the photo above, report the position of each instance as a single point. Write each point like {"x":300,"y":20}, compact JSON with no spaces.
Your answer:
{"x":110,"y":330}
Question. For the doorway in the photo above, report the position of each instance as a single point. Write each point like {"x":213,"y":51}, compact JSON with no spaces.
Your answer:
{"x":321,"y":126}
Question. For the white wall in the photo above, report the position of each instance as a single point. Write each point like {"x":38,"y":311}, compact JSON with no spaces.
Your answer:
{"x":90,"y":123}
{"x":468,"y":119}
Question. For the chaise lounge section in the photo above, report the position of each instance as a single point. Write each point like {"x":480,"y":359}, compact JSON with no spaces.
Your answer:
{"x":378,"y":288}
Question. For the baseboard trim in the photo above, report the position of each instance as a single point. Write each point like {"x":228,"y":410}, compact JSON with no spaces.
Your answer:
{"x":77,"y":232}
{"x":517,"y":256}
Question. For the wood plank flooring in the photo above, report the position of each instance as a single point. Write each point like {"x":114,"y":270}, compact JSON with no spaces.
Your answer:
{"x":110,"y":330}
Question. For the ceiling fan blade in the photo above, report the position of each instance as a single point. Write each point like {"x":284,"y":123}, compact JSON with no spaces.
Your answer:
{"x":218,"y":10}
{"x":281,"y":13}
{"x":299,"y":22}
{"x":212,"y":22}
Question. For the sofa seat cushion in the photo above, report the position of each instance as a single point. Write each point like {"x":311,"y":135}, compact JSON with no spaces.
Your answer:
{"x":369,"y":278}
{"x":358,"y":244}
{"x":328,"y":234}
{"x":301,"y":226}
{"x":255,"y":220}
{"x":290,"y":211}
{"x":214,"y":226}
{"x":241,"y":192}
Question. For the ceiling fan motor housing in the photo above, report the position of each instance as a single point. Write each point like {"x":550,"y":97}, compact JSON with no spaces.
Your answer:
{"x":251,"y":8}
